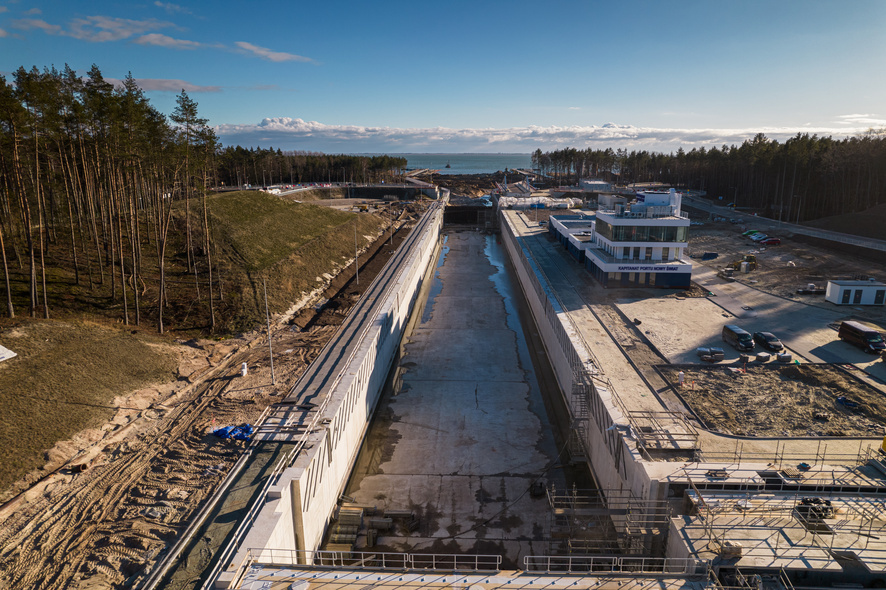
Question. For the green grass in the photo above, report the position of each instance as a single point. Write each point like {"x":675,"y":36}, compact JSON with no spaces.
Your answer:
{"x":64,"y":379}
{"x":69,"y":370}
{"x":288,"y":244}
{"x":263,"y":229}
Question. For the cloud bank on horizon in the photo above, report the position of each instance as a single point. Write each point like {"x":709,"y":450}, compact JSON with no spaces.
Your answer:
{"x":297,"y":134}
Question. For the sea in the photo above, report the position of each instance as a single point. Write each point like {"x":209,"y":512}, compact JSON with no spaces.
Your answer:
{"x":465,"y":163}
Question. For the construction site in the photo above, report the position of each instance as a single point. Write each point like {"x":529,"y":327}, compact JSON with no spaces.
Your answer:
{"x":489,"y":415}
{"x":657,"y":467}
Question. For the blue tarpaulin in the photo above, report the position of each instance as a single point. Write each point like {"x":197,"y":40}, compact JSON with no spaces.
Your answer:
{"x":242,"y":432}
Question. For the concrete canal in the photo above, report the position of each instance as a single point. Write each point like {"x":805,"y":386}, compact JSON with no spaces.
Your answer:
{"x":466,"y":429}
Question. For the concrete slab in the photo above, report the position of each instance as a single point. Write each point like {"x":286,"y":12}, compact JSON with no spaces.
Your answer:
{"x":466,"y":434}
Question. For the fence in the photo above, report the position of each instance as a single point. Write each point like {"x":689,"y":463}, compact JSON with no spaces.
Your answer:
{"x":374,"y":560}
{"x":647,"y":566}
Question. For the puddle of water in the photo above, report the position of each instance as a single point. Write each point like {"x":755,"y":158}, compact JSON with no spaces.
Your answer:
{"x":505,"y":287}
{"x":436,"y":285}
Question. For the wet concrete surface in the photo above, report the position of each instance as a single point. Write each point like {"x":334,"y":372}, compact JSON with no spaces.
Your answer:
{"x":465,"y":435}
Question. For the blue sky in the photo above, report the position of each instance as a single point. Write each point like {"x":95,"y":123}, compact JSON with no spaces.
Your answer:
{"x":480,"y":76}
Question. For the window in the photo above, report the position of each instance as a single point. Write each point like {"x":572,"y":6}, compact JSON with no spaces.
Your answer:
{"x":642,"y":233}
{"x":857,"y":298}
{"x":846,"y":295}
{"x":879,"y":296}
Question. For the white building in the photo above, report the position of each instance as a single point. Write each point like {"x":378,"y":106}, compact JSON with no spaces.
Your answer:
{"x":868,"y":292}
{"x":638,"y":245}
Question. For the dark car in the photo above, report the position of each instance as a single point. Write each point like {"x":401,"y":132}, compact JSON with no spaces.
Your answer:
{"x":771,"y":242}
{"x":768,"y":341}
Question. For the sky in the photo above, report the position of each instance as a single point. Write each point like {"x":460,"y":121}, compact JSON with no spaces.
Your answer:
{"x":392,"y":76}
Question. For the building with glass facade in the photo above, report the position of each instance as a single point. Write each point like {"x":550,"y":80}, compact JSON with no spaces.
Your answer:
{"x":632,"y":245}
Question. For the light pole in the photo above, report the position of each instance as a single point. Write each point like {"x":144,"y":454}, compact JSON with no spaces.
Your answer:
{"x":356,"y":254}
{"x":268,"y":317}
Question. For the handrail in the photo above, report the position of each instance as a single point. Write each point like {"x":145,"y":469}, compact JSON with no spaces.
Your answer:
{"x":596,"y":564}
{"x":286,"y":461}
{"x":367,"y":560}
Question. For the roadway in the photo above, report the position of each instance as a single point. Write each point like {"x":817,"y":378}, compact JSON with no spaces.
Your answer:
{"x":764,"y":223}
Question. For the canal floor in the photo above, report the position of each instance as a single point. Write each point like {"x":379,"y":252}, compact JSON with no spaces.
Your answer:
{"x":466,"y":433}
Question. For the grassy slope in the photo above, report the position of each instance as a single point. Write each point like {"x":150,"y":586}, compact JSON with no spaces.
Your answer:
{"x":63,"y":380}
{"x":69,"y":371}
{"x":289,"y":244}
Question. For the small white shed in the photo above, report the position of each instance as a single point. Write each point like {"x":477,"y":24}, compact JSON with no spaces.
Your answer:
{"x":869,"y":292}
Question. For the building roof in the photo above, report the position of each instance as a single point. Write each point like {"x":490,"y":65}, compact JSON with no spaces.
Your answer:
{"x":857,"y":283}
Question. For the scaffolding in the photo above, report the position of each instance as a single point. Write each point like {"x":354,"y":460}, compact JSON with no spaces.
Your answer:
{"x":606,"y":522}
{"x":663,"y":431}
{"x":579,"y":404}
{"x":795,"y":531}
{"x":792,"y":452}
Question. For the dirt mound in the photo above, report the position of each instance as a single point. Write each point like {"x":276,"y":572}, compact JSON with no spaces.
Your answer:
{"x":471,"y":185}
{"x":782,"y":400}
{"x":64,"y":380}
{"x":147,"y":478}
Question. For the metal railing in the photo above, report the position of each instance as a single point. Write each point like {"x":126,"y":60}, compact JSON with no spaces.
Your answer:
{"x":229,"y":551}
{"x":373,"y":560}
{"x":585,"y":564}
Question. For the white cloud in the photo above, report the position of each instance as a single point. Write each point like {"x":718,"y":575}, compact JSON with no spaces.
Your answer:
{"x":288,"y":133}
{"x":97,"y":29}
{"x":26,"y":24}
{"x":3,"y":9}
{"x":166,"y":85}
{"x":100,"y":29}
{"x":264,"y":53}
{"x":106,"y":28}
{"x":3,"y":34}
{"x":32,"y":11}
{"x":172,"y":8}
{"x":871,"y":120}
{"x":161,"y":40}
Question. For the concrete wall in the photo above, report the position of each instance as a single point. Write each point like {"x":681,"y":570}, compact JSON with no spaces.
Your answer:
{"x":613,"y":458}
{"x":301,"y":503}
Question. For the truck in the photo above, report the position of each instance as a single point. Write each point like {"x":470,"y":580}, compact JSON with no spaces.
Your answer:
{"x":864,"y":337}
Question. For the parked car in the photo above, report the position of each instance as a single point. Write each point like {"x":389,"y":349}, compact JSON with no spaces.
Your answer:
{"x":759,"y":237}
{"x":750,"y":232}
{"x":768,"y":341}
{"x":864,"y":337}
{"x":737,"y":338}
{"x":771,"y":242}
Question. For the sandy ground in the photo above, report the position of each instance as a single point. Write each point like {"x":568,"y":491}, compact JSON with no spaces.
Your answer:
{"x":150,"y":471}
{"x":781,"y":400}
{"x":770,"y":399}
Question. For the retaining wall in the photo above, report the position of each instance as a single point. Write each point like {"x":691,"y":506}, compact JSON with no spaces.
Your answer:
{"x":612,"y":457}
{"x":301,"y":503}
